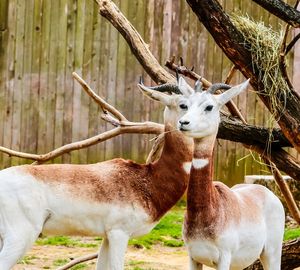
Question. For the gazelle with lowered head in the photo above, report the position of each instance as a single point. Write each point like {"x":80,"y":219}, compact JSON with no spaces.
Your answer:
{"x":225,"y":228}
{"x":116,"y":199}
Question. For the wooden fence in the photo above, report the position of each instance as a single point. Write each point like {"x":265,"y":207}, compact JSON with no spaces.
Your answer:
{"x":43,"y":42}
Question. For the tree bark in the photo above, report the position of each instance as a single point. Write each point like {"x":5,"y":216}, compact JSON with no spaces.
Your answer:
{"x":234,"y":130}
{"x":138,"y":47}
{"x":281,"y":10}
{"x":231,"y":41}
{"x":289,"y":259}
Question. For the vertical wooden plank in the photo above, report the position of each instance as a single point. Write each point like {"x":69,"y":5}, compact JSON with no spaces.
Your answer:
{"x":156,"y":48}
{"x":3,"y":60}
{"x":120,"y":79}
{"x":32,"y":137}
{"x":129,"y":8}
{"x":138,"y":141}
{"x":43,"y":77}
{"x":142,"y":142}
{"x":184,"y":35}
{"x":60,"y":75}
{"x":78,"y":62}
{"x":102,"y":78}
{"x":94,"y":112}
{"x":17,"y":95}
{"x":166,"y":30}
{"x":9,"y":76}
{"x":68,"y":83}
{"x":3,"y":14}
{"x":52,"y":76}
{"x":26,"y":108}
{"x":111,"y":80}
{"x":175,"y":27}
{"x":86,"y":73}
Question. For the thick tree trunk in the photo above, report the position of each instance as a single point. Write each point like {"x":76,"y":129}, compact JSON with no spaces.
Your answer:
{"x":139,"y":48}
{"x":231,"y":41}
{"x":290,"y":257}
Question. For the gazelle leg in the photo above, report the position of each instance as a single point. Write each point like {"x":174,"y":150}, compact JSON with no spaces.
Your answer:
{"x":14,"y":246}
{"x":118,"y":241}
{"x":193,"y":265}
{"x":224,"y":261}
{"x":271,"y":260}
{"x":102,"y":262}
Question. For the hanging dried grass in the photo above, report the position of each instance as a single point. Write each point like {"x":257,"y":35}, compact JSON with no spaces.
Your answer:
{"x":264,"y":44}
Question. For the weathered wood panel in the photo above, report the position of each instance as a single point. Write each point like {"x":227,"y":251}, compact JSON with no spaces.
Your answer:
{"x":41,"y":107}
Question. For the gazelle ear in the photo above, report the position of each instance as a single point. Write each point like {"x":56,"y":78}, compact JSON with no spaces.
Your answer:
{"x":232,"y":92}
{"x":156,"y":95}
{"x":184,"y":87}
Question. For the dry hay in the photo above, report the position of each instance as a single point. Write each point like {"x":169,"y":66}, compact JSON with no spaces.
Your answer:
{"x":264,"y":44}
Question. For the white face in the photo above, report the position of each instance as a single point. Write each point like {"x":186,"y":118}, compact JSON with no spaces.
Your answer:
{"x":202,"y":115}
{"x":171,"y":102}
{"x":202,"y":111}
{"x":197,"y":114}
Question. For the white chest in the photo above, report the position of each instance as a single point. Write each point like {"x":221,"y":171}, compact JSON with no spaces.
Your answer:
{"x":203,"y":251}
{"x":242,"y":245}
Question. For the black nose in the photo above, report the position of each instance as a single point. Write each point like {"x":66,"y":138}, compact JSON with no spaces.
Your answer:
{"x":183,"y":122}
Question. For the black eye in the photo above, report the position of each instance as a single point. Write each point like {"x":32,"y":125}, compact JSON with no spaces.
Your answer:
{"x":209,"y":108}
{"x":183,"y":106}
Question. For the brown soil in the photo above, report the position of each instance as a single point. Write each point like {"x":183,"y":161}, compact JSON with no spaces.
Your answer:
{"x":156,"y":258}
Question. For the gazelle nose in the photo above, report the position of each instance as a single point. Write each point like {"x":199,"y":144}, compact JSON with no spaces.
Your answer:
{"x":184,"y":122}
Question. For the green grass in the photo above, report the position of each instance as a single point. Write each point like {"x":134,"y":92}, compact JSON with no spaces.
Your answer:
{"x":79,"y":266}
{"x":27,"y":260}
{"x":60,"y":262}
{"x":290,"y":234}
{"x":65,"y":241}
{"x":166,"y":232}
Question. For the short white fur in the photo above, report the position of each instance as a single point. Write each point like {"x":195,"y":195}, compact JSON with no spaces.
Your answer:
{"x":199,"y":163}
{"x":29,"y":206}
{"x":237,"y":245}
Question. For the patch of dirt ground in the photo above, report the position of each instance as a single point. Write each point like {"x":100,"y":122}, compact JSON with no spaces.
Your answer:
{"x":156,"y":258}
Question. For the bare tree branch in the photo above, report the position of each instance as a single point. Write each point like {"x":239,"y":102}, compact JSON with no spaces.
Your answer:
{"x":292,"y":43}
{"x":118,"y":119}
{"x":281,"y":10}
{"x":138,"y":47}
{"x":78,"y":260}
{"x":100,"y":101}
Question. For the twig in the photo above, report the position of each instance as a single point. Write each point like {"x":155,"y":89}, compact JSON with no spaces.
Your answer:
{"x":186,"y":72}
{"x":100,"y":101}
{"x":79,"y":260}
{"x":285,"y":190}
{"x":292,"y":43}
{"x":282,"y":55}
{"x":283,"y":52}
{"x":120,"y":122}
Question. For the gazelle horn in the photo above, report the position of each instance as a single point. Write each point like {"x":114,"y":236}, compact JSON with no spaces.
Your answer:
{"x":167,"y":87}
{"x":213,"y":88}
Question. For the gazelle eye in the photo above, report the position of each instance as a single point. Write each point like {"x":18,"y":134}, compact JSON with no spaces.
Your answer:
{"x":209,"y":108}
{"x":183,"y":106}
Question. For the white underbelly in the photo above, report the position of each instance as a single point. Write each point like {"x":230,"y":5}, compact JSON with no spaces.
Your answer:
{"x":82,"y":218}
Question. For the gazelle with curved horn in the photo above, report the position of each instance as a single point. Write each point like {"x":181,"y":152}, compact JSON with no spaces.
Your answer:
{"x":116,"y":199}
{"x":225,"y":228}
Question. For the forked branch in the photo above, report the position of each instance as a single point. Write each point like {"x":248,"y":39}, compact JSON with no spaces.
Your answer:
{"x":110,"y":114}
